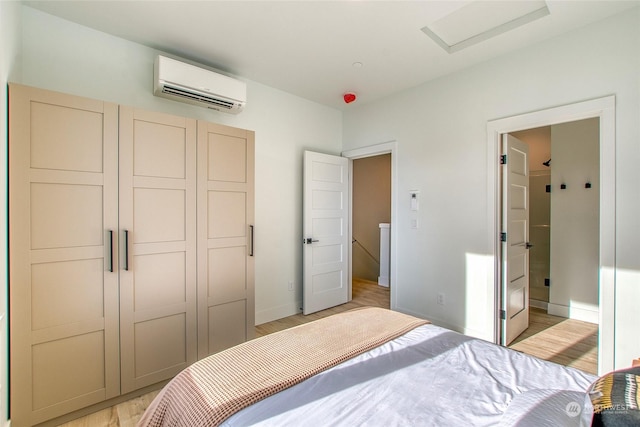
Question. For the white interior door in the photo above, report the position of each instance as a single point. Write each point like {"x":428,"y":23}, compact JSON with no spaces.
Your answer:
{"x":325,"y":231}
{"x":515,"y":253}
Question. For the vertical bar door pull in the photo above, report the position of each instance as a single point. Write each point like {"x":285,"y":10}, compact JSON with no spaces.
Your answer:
{"x":126,"y":250}
{"x":111,"y":251}
{"x":251,"y":240}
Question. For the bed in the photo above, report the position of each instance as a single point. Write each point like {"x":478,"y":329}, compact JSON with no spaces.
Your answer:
{"x":372,"y":367}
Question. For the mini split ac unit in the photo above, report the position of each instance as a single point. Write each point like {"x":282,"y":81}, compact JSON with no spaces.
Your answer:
{"x":187,"y":83}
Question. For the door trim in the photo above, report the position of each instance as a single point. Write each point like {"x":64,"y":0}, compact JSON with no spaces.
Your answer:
{"x":389,"y":147}
{"x":604,"y":109}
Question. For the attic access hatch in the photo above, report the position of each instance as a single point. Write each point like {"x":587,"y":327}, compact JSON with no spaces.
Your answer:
{"x":198,"y":86}
{"x":481,"y":20}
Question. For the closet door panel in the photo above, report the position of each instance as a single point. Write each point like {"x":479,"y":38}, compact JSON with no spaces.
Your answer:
{"x":66,"y":215}
{"x":227,"y":325}
{"x":66,"y":138}
{"x":227,"y":158}
{"x":227,"y":214}
{"x":226,"y":306}
{"x":54,"y":361}
{"x":227,"y":274}
{"x":53,"y":283}
{"x":160,"y":149}
{"x":158,"y":212}
{"x":159,"y":215}
{"x":63,"y":296}
{"x":160,"y":343}
{"x":161,"y":280}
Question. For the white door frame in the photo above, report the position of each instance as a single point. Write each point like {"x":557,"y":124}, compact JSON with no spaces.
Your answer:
{"x":604,"y":109}
{"x":370,"y":151}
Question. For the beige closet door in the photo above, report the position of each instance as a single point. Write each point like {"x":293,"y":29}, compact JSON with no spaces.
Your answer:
{"x":157,"y":236}
{"x":63,"y":220}
{"x":226,"y":309}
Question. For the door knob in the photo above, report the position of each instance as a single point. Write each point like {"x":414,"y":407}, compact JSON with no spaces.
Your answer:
{"x":309,"y":240}
{"x":528,"y":245}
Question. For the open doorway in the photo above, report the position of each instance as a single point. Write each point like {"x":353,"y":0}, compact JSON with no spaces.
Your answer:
{"x":563,"y":243}
{"x":385,"y":148}
{"x":371,"y":226}
{"x":603,"y":109}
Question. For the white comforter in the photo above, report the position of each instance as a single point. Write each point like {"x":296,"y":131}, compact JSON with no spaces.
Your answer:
{"x":431,"y":377}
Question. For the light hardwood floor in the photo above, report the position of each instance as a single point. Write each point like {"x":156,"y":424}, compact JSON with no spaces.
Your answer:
{"x":567,"y":342}
{"x":560,"y":340}
{"x":125,"y":414}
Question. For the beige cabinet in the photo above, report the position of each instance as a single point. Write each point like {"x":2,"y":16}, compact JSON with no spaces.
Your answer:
{"x":112,"y":286}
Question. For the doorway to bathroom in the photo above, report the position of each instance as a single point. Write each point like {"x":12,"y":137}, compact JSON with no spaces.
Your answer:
{"x":563,"y":243}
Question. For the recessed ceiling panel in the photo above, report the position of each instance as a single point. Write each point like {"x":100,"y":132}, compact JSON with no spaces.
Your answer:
{"x":481,"y":20}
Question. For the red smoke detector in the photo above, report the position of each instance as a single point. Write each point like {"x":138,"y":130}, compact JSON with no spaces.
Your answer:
{"x":349,"y":97}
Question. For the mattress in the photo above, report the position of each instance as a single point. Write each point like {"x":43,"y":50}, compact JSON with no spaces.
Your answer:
{"x":372,"y":367}
{"x":431,"y":376}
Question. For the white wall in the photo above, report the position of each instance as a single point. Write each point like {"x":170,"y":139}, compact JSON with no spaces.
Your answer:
{"x":441,"y":133}
{"x":575,"y":220}
{"x":9,"y":48}
{"x":66,"y":57}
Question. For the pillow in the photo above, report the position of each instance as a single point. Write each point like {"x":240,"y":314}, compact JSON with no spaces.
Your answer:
{"x":548,"y":408}
{"x":615,"y":399}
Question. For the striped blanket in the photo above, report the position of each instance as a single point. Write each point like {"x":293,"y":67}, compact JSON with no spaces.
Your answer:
{"x":214,"y":388}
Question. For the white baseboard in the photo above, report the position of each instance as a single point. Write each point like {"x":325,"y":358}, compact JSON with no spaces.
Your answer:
{"x":279,"y":312}
{"x":558,"y":310}
{"x":539,"y":304}
{"x":574,"y":313}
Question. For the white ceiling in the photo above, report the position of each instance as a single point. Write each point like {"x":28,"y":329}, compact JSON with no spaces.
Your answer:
{"x":308,"y":48}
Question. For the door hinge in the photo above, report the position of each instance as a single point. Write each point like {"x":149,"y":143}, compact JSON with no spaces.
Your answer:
{"x":503,"y":315}
{"x":503,"y":159}
{"x":503,"y":237}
